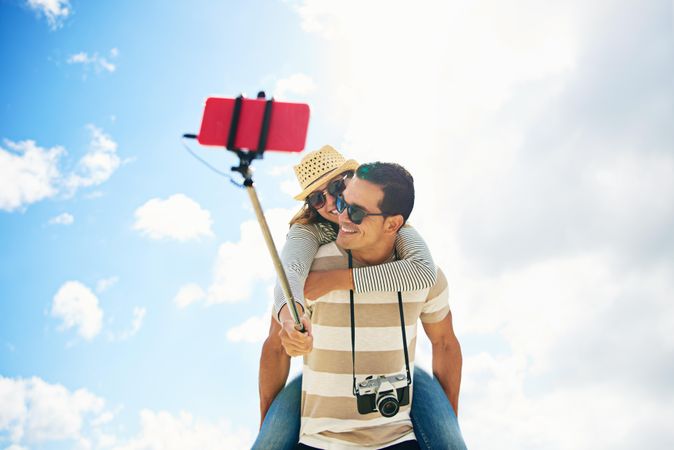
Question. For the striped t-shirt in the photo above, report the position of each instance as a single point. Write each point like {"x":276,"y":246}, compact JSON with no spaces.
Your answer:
{"x":414,"y":270}
{"x":330,"y":418}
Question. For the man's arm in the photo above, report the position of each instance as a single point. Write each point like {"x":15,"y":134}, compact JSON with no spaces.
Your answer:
{"x":447,"y":359}
{"x":274,"y":368}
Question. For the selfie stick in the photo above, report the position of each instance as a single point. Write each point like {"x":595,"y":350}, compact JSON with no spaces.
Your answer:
{"x":245,"y":160}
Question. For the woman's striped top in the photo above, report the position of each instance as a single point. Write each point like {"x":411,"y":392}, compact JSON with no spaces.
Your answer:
{"x":413,"y":270}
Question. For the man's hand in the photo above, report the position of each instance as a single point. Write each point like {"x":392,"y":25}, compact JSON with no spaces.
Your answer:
{"x":320,"y":283}
{"x":294,"y":342}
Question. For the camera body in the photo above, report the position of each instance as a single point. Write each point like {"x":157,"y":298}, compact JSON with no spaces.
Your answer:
{"x":383,"y":394}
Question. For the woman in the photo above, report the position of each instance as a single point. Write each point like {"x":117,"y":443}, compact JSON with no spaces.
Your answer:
{"x":323,"y":175}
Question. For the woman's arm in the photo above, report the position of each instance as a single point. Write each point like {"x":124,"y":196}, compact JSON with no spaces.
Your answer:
{"x":413,"y":270}
{"x":302,"y":242}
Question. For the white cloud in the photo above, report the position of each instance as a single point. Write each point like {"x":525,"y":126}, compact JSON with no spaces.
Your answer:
{"x":432,"y":68}
{"x":255,"y":328}
{"x":548,"y":338}
{"x":164,"y":431}
{"x":78,"y":58}
{"x":94,"y":195}
{"x":56,"y":11}
{"x":98,"y":164}
{"x":34,"y":411}
{"x":77,"y":306}
{"x":104,"y":284}
{"x":62,"y":219}
{"x":548,"y":207}
{"x":95,"y":61}
{"x":16,"y":447}
{"x":285,"y":169}
{"x":297,"y":84}
{"x":520,"y":303}
{"x":12,"y":408}
{"x":252,"y":330}
{"x":56,"y":413}
{"x":598,"y":417}
{"x":289,"y":187}
{"x":178,"y":217}
{"x":241,"y":265}
{"x":136,"y":324}
{"x":321,"y":17}
{"x":189,"y":294}
{"x":138,"y":316}
{"x":573,"y":322}
{"x":28,"y":173}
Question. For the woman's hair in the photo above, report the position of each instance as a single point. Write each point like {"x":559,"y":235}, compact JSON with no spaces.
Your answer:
{"x":307,"y":214}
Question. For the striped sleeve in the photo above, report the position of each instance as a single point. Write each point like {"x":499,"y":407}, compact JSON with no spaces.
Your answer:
{"x":302,"y":242}
{"x":413,"y":271}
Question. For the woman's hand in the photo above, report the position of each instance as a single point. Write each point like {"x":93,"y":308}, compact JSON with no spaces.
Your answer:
{"x":320,"y":283}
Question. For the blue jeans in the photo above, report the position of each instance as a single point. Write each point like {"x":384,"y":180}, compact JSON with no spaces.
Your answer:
{"x":433,"y":417}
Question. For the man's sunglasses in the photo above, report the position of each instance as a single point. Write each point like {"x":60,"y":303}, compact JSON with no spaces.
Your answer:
{"x":335,"y":188}
{"x":356,"y":213}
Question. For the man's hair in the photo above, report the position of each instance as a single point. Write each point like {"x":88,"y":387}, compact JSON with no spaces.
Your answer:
{"x":397,"y":184}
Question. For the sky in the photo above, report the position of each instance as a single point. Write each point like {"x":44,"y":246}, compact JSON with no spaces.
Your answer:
{"x":135,"y":288}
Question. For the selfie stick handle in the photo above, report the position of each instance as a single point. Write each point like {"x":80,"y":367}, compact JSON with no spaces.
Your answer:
{"x":245,"y":159}
{"x":283,"y":280}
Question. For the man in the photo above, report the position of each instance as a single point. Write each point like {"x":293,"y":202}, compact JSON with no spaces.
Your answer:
{"x":374,"y":206}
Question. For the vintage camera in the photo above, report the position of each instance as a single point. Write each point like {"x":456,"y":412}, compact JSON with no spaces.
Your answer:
{"x":383,"y":394}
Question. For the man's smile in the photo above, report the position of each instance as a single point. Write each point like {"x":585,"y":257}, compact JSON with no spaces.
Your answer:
{"x":347,"y":229}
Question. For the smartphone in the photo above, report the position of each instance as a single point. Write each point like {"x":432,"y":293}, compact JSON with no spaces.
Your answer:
{"x":287,"y":127}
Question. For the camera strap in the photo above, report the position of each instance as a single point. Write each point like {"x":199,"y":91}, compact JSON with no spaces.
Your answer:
{"x":402,"y":326}
{"x":353,"y":331}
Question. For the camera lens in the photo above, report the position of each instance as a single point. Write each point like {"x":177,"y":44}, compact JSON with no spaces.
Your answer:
{"x":388,"y":405}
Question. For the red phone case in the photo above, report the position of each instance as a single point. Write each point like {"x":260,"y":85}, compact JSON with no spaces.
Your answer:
{"x":287,"y":127}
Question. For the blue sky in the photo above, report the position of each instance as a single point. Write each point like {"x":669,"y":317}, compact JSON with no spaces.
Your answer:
{"x":134,"y":293}
{"x":163,"y":71}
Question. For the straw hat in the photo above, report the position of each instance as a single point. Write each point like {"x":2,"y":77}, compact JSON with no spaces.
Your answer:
{"x":320,"y":166}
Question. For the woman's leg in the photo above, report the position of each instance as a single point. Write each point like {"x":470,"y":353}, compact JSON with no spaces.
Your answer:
{"x":281,"y":427}
{"x":433,"y":417}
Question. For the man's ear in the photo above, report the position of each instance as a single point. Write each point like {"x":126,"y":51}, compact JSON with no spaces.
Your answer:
{"x":393,"y":223}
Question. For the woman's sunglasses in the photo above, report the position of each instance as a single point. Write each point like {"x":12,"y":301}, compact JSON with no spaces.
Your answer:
{"x":335,"y":188}
{"x":356,"y":213}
